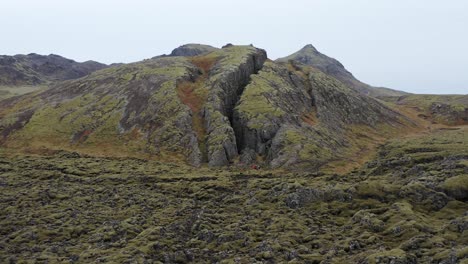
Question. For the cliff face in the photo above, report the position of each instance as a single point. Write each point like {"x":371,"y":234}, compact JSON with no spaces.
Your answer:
{"x":211,"y":107}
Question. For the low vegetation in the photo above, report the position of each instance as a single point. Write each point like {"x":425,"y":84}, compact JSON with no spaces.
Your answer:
{"x":443,"y":109}
{"x":404,"y":206}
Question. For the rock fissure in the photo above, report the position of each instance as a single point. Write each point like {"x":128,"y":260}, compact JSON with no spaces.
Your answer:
{"x":226,"y":87}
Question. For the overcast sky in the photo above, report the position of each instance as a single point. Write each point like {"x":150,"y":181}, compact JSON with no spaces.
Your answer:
{"x":419,"y":46}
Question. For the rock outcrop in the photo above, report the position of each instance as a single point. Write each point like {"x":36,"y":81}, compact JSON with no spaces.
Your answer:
{"x":192,"y":50}
{"x":291,"y":114}
{"x":227,"y":81}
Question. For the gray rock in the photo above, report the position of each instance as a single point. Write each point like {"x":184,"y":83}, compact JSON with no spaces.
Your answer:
{"x":227,"y":83}
{"x":192,"y":50}
{"x":247,"y":156}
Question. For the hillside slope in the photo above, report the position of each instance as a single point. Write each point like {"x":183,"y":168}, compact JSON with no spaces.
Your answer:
{"x":226,"y":106}
{"x":442,"y":109}
{"x":35,"y":69}
{"x":309,"y":55}
{"x":137,"y":108}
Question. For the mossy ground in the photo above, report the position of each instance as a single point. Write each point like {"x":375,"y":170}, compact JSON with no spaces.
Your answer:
{"x":81,"y":209}
{"x":426,"y":106}
{"x":10,"y":91}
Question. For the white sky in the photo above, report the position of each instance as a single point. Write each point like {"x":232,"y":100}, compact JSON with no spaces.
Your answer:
{"x":418,"y":46}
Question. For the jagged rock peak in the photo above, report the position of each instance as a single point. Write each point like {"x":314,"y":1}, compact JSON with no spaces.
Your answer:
{"x":309,"y":47}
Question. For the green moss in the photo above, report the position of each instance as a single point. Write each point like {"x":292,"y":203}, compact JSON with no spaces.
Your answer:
{"x":395,"y":253}
{"x":10,"y":91}
{"x":307,"y":149}
{"x":124,"y":210}
{"x":457,"y":186}
{"x":377,"y":189}
{"x":233,"y":55}
{"x":61,"y":122}
{"x":457,"y":104}
{"x":258,"y":98}
{"x":168,"y":68}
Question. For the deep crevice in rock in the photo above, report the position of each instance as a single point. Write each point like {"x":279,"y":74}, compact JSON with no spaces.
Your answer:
{"x":238,"y":131}
{"x":229,"y":90}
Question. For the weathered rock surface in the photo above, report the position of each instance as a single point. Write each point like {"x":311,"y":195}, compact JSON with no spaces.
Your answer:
{"x":192,"y":50}
{"x":292,"y":114}
{"x":137,"y":108}
{"x":227,"y":81}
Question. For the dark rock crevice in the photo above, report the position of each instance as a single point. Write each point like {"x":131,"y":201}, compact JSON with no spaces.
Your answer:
{"x":225,"y":92}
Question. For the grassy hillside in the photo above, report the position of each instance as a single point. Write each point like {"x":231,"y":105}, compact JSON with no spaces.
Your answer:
{"x":443,"y":109}
{"x":10,"y":91}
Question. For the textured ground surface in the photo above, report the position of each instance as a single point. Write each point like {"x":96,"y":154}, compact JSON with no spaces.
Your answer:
{"x":407,"y":205}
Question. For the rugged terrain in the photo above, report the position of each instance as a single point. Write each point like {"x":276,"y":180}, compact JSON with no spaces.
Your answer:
{"x":309,"y":55}
{"x":443,"y":109}
{"x":221,"y":155}
{"x":20,"y":74}
{"x":223,"y":106}
{"x":34,"y":69}
{"x":407,"y":205}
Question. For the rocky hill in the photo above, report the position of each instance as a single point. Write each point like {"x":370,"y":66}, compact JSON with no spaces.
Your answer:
{"x":230,"y":105}
{"x":309,"y":55}
{"x":34,"y":69}
{"x":214,"y":155}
